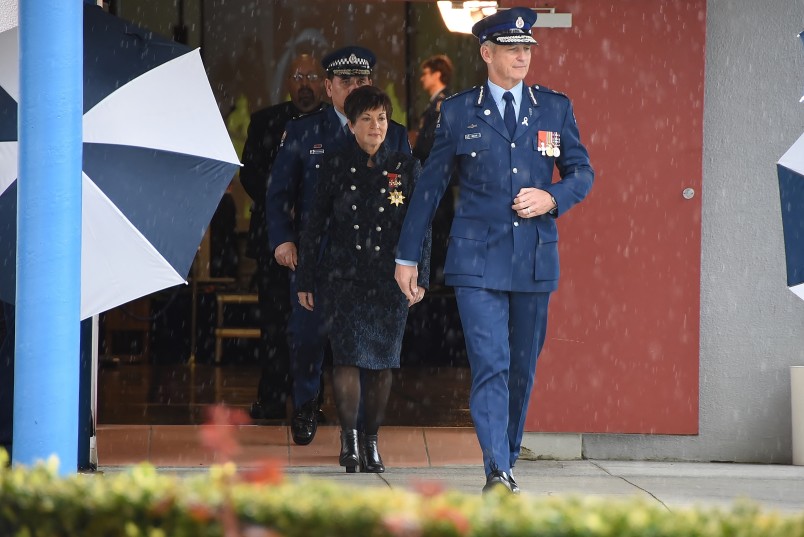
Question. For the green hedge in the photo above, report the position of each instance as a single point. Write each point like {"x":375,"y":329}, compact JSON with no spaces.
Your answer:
{"x":36,"y":502}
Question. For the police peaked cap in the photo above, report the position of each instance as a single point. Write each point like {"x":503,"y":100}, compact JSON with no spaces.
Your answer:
{"x":507,"y":27}
{"x":349,"y":61}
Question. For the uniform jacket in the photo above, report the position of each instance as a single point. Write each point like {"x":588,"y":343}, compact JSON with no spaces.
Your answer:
{"x":264,"y":135}
{"x":360,"y":209}
{"x":489,"y":245}
{"x":427,"y":126}
{"x":292,"y":182}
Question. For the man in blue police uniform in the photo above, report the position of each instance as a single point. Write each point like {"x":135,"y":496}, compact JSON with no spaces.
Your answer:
{"x":503,"y":139}
{"x":291,"y":190}
{"x":305,"y":83}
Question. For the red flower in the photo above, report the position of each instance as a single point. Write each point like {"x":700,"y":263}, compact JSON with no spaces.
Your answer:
{"x":200,"y":513}
{"x":267,"y":472}
{"x":428,"y":488}
{"x":219,"y":433}
{"x":455,"y":517}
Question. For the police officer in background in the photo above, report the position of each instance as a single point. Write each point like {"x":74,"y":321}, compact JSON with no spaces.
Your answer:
{"x":305,"y":83}
{"x":290,"y":195}
{"x":503,"y":139}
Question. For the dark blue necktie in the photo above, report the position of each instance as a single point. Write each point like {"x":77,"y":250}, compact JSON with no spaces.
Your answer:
{"x":509,"y":116}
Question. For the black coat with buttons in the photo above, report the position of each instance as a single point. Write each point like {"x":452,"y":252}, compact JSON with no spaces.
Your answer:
{"x":360,"y":210}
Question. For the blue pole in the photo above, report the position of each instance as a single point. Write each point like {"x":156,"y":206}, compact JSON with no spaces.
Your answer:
{"x":46,"y":375}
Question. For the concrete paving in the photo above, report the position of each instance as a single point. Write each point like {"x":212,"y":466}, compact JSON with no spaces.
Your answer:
{"x":671,"y":485}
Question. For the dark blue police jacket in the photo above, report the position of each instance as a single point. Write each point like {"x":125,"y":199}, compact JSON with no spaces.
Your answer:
{"x":291,"y":187}
{"x":489,"y":245}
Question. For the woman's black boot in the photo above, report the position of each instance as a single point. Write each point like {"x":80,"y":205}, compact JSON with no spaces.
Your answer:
{"x":370,"y":455}
{"x":350,"y":455}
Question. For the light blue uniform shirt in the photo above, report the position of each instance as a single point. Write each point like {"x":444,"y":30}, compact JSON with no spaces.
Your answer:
{"x":497,"y":94}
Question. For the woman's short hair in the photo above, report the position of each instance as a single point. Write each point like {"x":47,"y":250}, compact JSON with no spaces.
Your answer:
{"x":366,"y":98}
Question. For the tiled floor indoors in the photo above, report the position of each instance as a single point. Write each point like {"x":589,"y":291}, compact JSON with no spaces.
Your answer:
{"x":181,"y":446}
{"x":155,"y":412}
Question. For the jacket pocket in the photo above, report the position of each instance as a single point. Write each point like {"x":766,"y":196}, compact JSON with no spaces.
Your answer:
{"x":475,"y":159}
{"x":546,"y":262}
{"x":467,"y":247}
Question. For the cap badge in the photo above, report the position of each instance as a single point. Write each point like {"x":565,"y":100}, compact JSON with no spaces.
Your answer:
{"x":520,"y":23}
{"x":353,"y":58}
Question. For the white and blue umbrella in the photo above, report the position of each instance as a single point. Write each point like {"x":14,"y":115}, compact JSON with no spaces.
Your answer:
{"x":790,"y":169}
{"x":156,"y":160}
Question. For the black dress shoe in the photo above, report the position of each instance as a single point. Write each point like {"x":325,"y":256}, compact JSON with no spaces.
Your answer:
{"x":350,"y":452}
{"x":497,"y":480}
{"x":305,"y":423}
{"x":514,"y":486}
{"x":370,"y":455}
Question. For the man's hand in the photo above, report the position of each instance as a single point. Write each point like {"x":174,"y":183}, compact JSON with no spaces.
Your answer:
{"x":306,"y":300}
{"x":406,"y":277}
{"x":530,"y":202}
{"x":286,"y":255}
{"x":419,"y":296}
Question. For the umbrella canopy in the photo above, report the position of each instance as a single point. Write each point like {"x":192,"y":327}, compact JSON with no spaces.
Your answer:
{"x":790,"y":169}
{"x":801,"y":36}
{"x":156,"y":160}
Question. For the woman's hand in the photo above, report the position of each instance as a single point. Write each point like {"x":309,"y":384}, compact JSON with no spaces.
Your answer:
{"x":306,"y":300}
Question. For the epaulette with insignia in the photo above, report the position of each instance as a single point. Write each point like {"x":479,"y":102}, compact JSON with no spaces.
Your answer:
{"x":464,"y":92}
{"x":306,"y":114}
{"x":314,"y":112}
{"x":545,"y":89}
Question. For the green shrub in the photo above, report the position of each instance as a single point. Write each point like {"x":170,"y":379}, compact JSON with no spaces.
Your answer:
{"x":36,"y":502}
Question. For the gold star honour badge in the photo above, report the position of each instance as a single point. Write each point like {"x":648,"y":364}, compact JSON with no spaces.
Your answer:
{"x":396,"y":198}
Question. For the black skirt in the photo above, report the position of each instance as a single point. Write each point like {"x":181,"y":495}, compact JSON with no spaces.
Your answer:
{"x":365,"y":322}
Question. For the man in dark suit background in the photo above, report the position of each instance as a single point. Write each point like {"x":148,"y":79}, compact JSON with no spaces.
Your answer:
{"x":436,"y":74}
{"x":290,"y":196}
{"x":504,"y":140}
{"x":305,"y":84}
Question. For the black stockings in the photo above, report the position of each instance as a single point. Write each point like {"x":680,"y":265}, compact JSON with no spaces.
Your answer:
{"x":374,"y":388}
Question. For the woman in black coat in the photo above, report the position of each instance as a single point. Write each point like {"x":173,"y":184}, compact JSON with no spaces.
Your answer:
{"x":346,"y":266}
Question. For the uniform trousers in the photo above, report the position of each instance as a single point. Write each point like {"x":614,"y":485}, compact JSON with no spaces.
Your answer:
{"x":504,"y":334}
{"x":272,"y":291}
{"x":306,"y":343}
